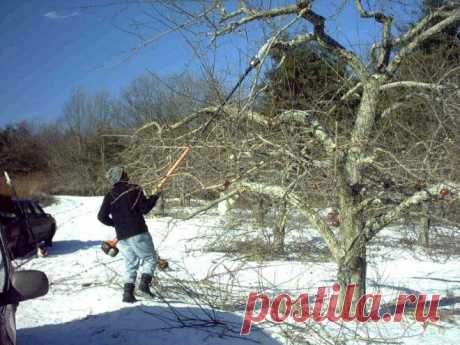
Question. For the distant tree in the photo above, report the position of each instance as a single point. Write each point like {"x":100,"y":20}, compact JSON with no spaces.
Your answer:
{"x":149,"y":98}
{"x":20,"y":151}
{"x":302,"y":77}
{"x":80,"y":158}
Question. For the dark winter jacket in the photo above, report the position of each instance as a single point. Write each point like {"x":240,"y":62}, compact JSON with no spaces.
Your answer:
{"x":124,"y":208}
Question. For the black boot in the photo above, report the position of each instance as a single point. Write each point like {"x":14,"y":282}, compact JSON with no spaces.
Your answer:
{"x":128,"y":293}
{"x":144,"y":285}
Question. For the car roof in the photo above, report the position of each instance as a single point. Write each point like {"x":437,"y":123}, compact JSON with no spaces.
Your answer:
{"x":5,"y":199}
{"x":21,"y":199}
{"x":24,"y":199}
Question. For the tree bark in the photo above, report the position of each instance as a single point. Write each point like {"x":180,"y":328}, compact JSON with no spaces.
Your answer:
{"x":352,"y":270}
{"x":352,"y":264}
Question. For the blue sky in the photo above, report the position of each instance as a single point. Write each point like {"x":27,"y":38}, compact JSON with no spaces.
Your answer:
{"x":47,"y":50}
{"x":50,"y":47}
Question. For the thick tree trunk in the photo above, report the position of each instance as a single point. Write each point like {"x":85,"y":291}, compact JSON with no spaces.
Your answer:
{"x":352,"y":261}
{"x":352,"y":270}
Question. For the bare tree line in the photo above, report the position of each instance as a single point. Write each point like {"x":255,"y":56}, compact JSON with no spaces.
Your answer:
{"x":76,"y":150}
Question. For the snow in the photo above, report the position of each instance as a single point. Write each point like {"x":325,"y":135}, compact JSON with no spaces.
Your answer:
{"x":84,"y":304}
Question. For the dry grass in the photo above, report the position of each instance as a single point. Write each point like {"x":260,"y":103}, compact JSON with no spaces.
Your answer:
{"x":33,"y":184}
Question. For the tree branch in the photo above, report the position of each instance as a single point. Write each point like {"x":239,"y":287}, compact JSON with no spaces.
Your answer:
{"x":213,"y":203}
{"x":301,"y":159}
{"x":413,"y":84}
{"x":301,"y":9}
{"x":296,"y":41}
{"x":420,"y":33}
{"x":307,"y":210}
{"x":373,"y":226}
{"x":305,"y":118}
{"x":332,"y":45}
{"x":386,"y":44}
{"x":254,"y":15}
{"x":418,"y":28}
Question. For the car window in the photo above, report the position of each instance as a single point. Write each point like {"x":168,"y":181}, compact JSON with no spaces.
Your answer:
{"x":7,"y":215}
{"x":27,"y":207}
{"x":18,"y":209}
{"x":7,"y":208}
{"x":37,"y":208}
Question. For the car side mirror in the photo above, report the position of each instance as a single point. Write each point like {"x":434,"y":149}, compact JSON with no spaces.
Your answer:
{"x":25,"y":285}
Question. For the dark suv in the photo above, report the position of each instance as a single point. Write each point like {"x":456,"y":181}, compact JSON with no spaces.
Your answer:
{"x":14,"y":288}
{"x":27,"y":225}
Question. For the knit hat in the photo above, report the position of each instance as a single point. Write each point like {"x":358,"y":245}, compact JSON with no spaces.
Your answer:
{"x":114,"y":174}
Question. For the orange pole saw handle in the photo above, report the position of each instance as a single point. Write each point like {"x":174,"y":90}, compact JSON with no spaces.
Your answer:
{"x":174,"y":167}
{"x":112,"y":243}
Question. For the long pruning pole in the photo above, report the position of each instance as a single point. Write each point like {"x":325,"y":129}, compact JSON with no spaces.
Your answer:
{"x":253,"y":63}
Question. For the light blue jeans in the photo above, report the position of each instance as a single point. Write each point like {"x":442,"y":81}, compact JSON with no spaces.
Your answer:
{"x":137,"y":251}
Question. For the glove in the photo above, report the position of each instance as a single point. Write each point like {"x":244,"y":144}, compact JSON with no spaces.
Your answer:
{"x":109,"y":248}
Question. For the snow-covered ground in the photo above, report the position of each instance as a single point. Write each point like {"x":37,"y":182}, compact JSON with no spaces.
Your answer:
{"x":84,"y":304}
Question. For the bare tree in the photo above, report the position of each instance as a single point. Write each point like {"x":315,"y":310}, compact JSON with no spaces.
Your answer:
{"x":338,"y":154}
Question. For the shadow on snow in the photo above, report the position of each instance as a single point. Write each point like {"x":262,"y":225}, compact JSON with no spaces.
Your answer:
{"x":147,"y":325}
{"x":70,"y":246}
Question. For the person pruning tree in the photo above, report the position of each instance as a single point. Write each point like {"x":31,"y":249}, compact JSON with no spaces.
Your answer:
{"x":124,"y":207}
